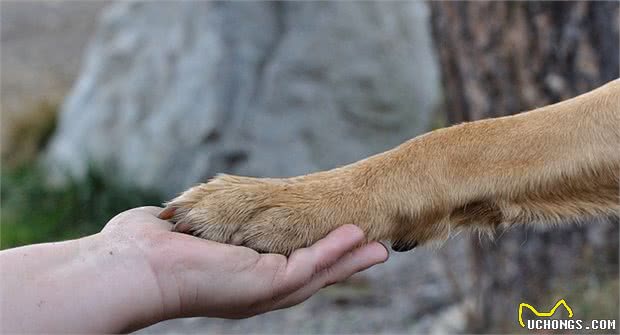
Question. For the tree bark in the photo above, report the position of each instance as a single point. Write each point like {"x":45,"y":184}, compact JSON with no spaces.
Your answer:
{"x":499,"y":58}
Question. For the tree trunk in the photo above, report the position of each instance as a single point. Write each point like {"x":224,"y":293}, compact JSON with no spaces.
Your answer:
{"x":499,"y":58}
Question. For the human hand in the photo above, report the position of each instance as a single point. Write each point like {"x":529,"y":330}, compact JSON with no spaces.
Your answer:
{"x":136,"y":272}
{"x":197,"y":277}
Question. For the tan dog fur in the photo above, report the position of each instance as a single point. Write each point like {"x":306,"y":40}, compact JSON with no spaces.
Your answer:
{"x":550,"y":165}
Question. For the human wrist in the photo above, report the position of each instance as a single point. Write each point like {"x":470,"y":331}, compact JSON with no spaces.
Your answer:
{"x":87,"y":285}
{"x":121,"y":288}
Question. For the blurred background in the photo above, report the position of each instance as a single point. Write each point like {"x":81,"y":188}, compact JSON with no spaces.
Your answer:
{"x":112,"y":105}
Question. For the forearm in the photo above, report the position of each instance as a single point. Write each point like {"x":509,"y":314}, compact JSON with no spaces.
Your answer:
{"x":550,"y":165}
{"x":79,"y":286}
{"x":535,"y":153}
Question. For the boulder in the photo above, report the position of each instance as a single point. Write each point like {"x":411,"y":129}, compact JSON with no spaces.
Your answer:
{"x":171,"y":93}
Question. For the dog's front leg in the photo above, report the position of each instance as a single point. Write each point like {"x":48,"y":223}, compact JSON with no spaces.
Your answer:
{"x":555,"y":164}
{"x":558,"y":162}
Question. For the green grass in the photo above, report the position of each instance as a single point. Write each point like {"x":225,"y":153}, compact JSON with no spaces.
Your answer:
{"x":33,"y":213}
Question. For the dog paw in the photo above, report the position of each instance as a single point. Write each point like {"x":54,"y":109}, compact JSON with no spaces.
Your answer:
{"x":270,"y":215}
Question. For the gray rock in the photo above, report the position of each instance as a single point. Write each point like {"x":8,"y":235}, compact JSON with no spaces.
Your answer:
{"x":172,"y":93}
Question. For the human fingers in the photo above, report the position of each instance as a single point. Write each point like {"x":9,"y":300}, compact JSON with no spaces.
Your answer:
{"x":304,"y":263}
{"x":360,"y":259}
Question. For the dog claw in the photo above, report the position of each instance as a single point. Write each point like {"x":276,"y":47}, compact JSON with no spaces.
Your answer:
{"x":182,"y":228}
{"x":404,"y":246}
{"x":167,"y":213}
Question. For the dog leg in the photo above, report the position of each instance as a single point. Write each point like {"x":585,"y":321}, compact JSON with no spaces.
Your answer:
{"x":551,"y":164}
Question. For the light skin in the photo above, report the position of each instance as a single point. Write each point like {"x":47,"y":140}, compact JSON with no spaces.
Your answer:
{"x":136,"y":272}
